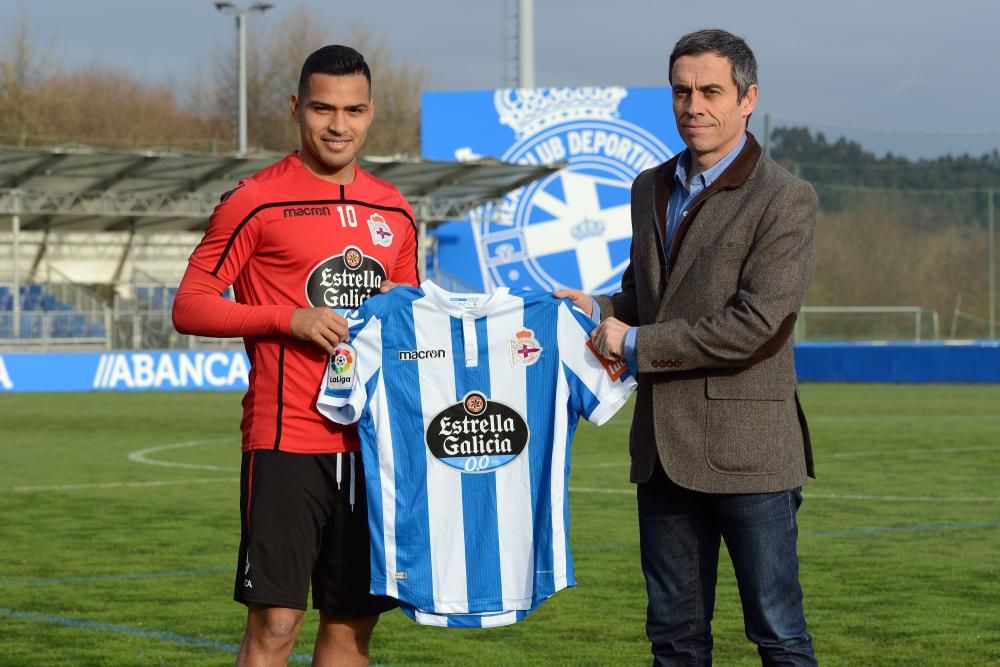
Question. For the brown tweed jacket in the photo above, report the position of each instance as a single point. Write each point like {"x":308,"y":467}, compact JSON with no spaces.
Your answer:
{"x":718,"y":397}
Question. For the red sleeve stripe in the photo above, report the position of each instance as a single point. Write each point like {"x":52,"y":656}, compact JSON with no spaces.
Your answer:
{"x":281,"y":400}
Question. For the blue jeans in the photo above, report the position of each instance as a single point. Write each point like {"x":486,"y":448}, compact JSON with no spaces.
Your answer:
{"x":679,"y":536}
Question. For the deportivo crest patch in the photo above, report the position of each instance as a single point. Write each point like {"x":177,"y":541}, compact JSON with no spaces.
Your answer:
{"x":524,"y":348}
{"x":381,"y":232}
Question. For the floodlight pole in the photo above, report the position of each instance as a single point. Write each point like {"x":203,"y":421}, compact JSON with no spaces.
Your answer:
{"x":526,"y":44}
{"x":241,"y":40}
{"x":241,"y":57}
{"x":991,"y":263}
{"x":16,"y":263}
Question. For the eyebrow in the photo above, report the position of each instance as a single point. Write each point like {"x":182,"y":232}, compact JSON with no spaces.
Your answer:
{"x":353,"y":107}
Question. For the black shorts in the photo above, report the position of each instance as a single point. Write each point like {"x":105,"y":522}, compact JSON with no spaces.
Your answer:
{"x":304,"y":519}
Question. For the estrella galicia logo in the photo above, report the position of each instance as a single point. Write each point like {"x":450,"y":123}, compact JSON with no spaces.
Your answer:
{"x":345,"y":281}
{"x":571,"y":228}
{"x":477,"y":434}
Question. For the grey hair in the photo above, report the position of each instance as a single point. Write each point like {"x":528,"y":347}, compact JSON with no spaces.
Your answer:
{"x":722,"y":43}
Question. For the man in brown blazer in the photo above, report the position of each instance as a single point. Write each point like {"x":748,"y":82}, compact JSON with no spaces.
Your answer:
{"x":722,"y":253}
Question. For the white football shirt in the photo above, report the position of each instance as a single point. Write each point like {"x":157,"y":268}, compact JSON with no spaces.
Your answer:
{"x":466,"y":405}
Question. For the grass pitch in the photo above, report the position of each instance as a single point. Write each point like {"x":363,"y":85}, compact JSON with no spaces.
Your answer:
{"x":119,"y":527}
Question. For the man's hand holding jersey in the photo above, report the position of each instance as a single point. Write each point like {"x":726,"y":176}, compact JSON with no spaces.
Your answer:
{"x":319,"y":325}
{"x":323,"y":326}
{"x":609,"y":336}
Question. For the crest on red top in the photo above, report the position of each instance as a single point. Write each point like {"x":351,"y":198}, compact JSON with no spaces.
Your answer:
{"x":381,"y":232}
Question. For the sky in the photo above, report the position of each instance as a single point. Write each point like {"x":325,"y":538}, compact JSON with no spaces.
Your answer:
{"x":917,"y":77}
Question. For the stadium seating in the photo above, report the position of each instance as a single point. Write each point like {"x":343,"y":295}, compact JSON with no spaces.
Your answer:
{"x":160,"y":297}
{"x":41,"y":310}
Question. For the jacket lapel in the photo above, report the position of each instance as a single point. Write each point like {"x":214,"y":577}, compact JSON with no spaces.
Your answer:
{"x":663,"y":181}
{"x":691,"y":236}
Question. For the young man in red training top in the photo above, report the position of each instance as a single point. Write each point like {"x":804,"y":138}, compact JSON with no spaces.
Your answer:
{"x":307,"y":235}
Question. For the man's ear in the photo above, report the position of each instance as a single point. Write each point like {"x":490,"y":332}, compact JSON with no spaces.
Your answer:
{"x":749,"y":102}
{"x":293,"y":106}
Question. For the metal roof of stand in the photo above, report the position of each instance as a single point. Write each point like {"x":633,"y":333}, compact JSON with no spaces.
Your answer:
{"x":81,"y":189}
{"x":88,"y":190}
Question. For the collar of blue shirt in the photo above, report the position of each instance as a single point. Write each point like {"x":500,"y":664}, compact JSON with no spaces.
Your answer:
{"x":704,"y":179}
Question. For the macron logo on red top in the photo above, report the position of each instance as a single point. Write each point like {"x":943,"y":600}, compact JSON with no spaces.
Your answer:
{"x":296,"y":212}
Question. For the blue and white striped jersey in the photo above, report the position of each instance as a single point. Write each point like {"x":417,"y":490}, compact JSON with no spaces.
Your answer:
{"x":466,"y":405}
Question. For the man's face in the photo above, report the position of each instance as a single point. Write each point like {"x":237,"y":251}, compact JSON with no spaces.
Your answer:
{"x":333,"y":118}
{"x":710,"y":119}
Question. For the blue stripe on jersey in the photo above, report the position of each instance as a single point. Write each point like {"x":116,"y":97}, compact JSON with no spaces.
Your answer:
{"x":373,"y":488}
{"x":479,"y":490}
{"x":581,"y":398}
{"x":406,"y":426}
{"x":540,"y":381}
{"x":582,"y":401}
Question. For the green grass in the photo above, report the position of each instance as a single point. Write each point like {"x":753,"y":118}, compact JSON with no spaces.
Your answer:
{"x":108,"y":561}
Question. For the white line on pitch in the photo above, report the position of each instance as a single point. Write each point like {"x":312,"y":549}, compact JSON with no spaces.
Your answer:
{"x":114,"y":485}
{"x":890,"y":452}
{"x":829,"y":496}
{"x":900,"y":499}
{"x":845,"y":455}
{"x":141,"y":456}
{"x":902,"y":418}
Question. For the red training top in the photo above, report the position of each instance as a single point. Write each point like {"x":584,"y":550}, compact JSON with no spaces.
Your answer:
{"x":286,"y":239}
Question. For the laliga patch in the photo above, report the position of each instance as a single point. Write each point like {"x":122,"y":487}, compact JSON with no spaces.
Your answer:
{"x":341,"y":368}
{"x":381,"y":233}
{"x":524,"y":348}
{"x":615,"y":368}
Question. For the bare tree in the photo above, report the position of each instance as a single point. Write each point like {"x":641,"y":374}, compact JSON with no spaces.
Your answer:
{"x":21,"y":68}
{"x":111,"y":108}
{"x":41,"y":104}
{"x":273,"y":64}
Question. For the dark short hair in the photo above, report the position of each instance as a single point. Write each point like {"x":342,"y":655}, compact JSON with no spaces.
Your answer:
{"x":334,"y":59}
{"x":725,"y":44}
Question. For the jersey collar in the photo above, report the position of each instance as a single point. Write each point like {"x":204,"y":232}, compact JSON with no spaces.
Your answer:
{"x":456,"y":303}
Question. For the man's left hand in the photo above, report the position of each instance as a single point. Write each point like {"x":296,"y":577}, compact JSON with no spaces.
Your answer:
{"x":386,"y":286}
{"x":609,"y":337}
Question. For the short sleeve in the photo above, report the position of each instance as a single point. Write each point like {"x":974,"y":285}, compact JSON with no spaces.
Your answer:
{"x":232,"y":234}
{"x":598,"y":386}
{"x":344,"y":394}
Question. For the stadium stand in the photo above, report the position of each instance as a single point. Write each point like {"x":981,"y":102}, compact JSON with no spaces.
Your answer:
{"x":44,"y":315}
{"x":107,"y":233}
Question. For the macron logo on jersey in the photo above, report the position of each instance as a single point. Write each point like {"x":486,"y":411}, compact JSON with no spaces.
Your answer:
{"x":417,"y":355}
{"x":297,"y":212}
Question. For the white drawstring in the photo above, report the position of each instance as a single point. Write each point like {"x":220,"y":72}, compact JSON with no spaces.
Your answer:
{"x":339,"y":460}
{"x":352,"y":481}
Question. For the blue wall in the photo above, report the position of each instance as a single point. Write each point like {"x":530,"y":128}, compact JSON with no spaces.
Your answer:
{"x":977,"y":362}
{"x":123,"y":371}
{"x":899,"y":362}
